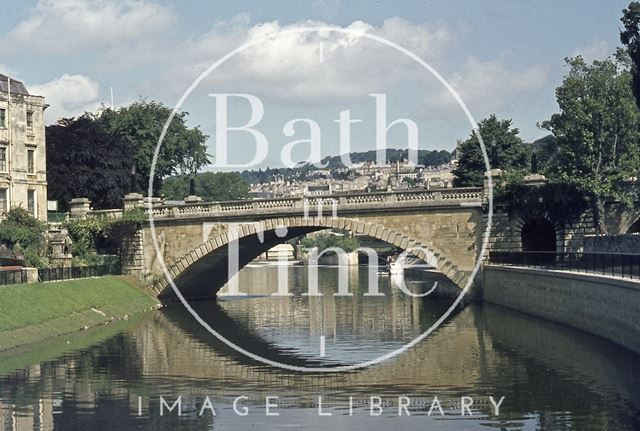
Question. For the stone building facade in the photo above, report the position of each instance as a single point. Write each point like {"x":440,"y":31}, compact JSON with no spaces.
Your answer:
{"x":23,"y":175}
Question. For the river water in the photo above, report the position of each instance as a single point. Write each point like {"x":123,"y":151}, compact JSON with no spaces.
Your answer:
{"x":127,"y":375}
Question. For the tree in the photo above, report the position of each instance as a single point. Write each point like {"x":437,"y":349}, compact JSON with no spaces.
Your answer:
{"x":218,"y":186}
{"x":505,"y":150}
{"x":630,"y":37}
{"x":140,"y":125}
{"x":324,"y":241}
{"x":93,"y":155}
{"x":83,"y":160}
{"x":596,"y":130}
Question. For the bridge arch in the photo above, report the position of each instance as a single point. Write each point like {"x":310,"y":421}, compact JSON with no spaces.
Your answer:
{"x":202,"y":271}
{"x":635,"y":227}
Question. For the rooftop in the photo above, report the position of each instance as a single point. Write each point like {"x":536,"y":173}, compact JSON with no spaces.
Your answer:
{"x":17,"y":87}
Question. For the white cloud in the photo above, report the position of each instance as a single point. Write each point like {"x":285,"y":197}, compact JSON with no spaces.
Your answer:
{"x":134,"y":38}
{"x":489,"y":86}
{"x":64,"y":26}
{"x":309,"y":67}
{"x":597,"y":50}
{"x":68,"y":95}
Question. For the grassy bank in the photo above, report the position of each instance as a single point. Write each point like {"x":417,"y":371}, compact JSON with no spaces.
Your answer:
{"x":33,"y":312}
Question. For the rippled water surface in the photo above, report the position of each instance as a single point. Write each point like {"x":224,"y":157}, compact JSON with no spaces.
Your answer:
{"x":551,"y":377}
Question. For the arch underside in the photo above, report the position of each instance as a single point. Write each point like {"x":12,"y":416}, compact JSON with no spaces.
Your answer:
{"x":634,"y":227}
{"x":202,"y":272}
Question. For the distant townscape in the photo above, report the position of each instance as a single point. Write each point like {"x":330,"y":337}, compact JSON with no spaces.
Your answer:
{"x":362,"y":176}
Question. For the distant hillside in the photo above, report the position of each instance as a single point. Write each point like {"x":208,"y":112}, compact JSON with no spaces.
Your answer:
{"x":425,"y":157}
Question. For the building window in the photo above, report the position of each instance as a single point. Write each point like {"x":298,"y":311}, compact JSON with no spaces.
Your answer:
{"x":3,"y":201}
{"x":3,"y":159}
{"x":29,"y":120}
{"x":31,"y":201}
{"x":31,"y":167}
{"x":3,"y":118}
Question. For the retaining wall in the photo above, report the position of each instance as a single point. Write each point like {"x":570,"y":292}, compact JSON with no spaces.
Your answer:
{"x":604,"y":306}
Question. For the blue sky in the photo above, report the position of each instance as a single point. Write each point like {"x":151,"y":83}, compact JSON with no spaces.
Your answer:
{"x":501,"y":56}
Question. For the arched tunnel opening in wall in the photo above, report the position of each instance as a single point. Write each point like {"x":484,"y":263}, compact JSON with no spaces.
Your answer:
{"x":205,"y":270}
{"x":538,"y":237}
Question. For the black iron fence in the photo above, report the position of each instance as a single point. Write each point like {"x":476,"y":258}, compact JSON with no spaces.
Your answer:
{"x":625,"y":265}
{"x":14,"y":276}
{"x":46,"y":275}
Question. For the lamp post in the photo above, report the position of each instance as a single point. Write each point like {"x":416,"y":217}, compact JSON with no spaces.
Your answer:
{"x":132,"y":175}
{"x":192,"y":184}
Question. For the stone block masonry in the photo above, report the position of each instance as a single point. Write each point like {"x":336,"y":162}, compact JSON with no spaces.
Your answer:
{"x":604,"y":306}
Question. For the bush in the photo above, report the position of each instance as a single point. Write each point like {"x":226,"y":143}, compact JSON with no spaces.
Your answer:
{"x":92,"y":235}
{"x":24,"y":234}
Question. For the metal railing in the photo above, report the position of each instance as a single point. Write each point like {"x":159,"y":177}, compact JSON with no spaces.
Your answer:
{"x":625,"y":265}
{"x":46,"y":275}
{"x":15,"y":276}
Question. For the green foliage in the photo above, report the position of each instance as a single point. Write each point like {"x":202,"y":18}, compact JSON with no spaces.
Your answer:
{"x":24,"y":234}
{"x":140,"y":124}
{"x":119,"y":230}
{"x":324,"y":241}
{"x":83,"y":160}
{"x":630,"y":37}
{"x":505,"y":150}
{"x":560,"y":202}
{"x":91,"y":233}
{"x":93,"y":155}
{"x":210,"y":186}
{"x":597,"y":130}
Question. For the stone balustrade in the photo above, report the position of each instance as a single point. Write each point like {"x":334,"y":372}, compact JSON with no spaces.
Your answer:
{"x":365,"y":201}
{"x":311,"y":204}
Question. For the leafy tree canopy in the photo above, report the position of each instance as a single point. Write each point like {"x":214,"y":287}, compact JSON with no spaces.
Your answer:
{"x":210,"y":186}
{"x":596,"y":130}
{"x":630,"y":37}
{"x":324,"y":241}
{"x":140,"y":124}
{"x":505,"y":150}
{"x":93,"y":155}
{"x":83,"y":160}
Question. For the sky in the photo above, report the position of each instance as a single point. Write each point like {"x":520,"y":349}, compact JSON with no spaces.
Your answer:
{"x":502,"y":57}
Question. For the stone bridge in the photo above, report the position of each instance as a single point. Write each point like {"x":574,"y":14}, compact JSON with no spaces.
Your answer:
{"x":444,"y":226}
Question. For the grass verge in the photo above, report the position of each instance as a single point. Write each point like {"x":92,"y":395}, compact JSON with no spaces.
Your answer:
{"x":34,"y":312}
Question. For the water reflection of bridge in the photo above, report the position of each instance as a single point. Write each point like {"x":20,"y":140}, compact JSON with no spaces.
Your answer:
{"x":480,"y":349}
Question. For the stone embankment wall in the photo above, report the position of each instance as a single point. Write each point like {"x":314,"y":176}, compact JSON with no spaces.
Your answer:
{"x":603,"y":306}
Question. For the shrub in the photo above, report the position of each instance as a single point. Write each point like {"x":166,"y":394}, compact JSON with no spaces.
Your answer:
{"x":99,"y":234}
{"x":24,"y":234}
